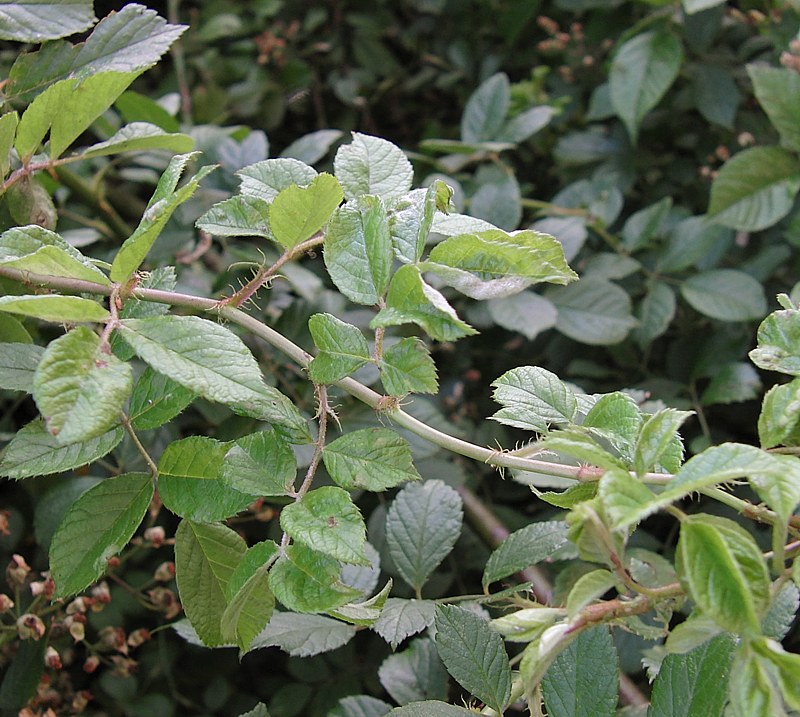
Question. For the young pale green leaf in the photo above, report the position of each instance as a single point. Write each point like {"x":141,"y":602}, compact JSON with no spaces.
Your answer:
{"x":54,"y":308}
{"x":486,"y":110}
{"x":779,"y":343}
{"x":624,"y":498}
{"x":493,"y":264}
{"x":371,"y":165}
{"x":254,"y":560}
{"x":778,"y":92}
{"x":18,"y":363}
{"x":694,"y":684}
{"x":693,"y":6}
{"x":165,"y":200}
{"x":788,"y":666}
{"x":373,"y":459}
{"x":643,"y":69}
{"x":8,"y":129}
{"x":297,"y":213}
{"x":304,"y":635}
{"x":570,"y":497}
{"x":96,"y":527}
{"x":474,"y":655}
{"x":66,"y":109}
{"x":655,"y":313}
{"x":205,"y":558}
{"x":407,"y":367}
{"x":414,"y":673}
{"x":583,"y":680}
{"x":523,"y":548}
{"x":412,"y":219}
{"x":411,"y":301}
{"x":34,"y":452}
{"x":526,"y":312}
{"x":696,"y":630}
{"x":780,"y":617}
{"x":190,"y":481}
{"x":265,"y":180}
{"x":37,"y":21}
{"x":327,"y":520}
{"x":657,"y":433}
{"x":239,"y":216}
{"x":250,"y":606}
{"x":343,"y":348}
{"x":593,"y":311}
{"x":138,"y":137}
{"x":588,"y":588}
{"x":312,"y":147}
{"x":358,"y":249}
{"x":422,"y":526}
{"x":260,"y":464}
{"x":780,"y":413}
{"x":725,"y":294}
{"x":360,"y":706}
{"x":366,"y":612}
{"x":156,"y":399}
{"x":199,"y":354}
{"x":755,"y":188}
{"x":533,"y":398}
{"x":724,"y":572}
{"x":402,"y":618}
{"x":130,"y":40}
{"x":80,"y":387}
{"x":306,"y":580}
{"x":755,"y":690}
{"x":430,"y":708}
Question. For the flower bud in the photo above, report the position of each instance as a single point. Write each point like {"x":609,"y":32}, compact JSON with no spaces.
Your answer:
{"x":165,"y":572}
{"x":17,"y":571}
{"x":44,"y":587}
{"x":52,"y":659}
{"x":114,"y":637}
{"x":101,"y":593}
{"x":551,"y":636}
{"x":30,"y":627}
{"x":6,"y":603}
{"x":138,"y":637}
{"x":155,"y":535}
{"x":526,"y":625}
{"x":81,"y":701}
{"x":76,"y":628}
{"x":123,"y":666}
{"x":91,"y":664}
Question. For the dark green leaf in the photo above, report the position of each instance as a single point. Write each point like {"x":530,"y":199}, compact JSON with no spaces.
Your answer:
{"x":733,"y":383}
{"x":429,"y":708}
{"x":96,"y":527}
{"x":402,"y":618}
{"x":716,"y":94}
{"x":22,"y":676}
{"x":526,"y":312}
{"x":655,"y":313}
{"x":312,"y":147}
{"x":725,"y":294}
{"x":422,"y":526}
{"x":778,"y":92}
{"x":533,"y":398}
{"x":190,"y":481}
{"x":360,"y":706}
{"x":260,"y":464}
{"x":486,"y":110}
{"x":407,"y":367}
{"x":250,"y":601}
{"x":523,"y":548}
{"x":156,"y":399}
{"x":414,"y":674}
{"x":18,"y":363}
{"x":37,"y":21}
{"x":583,"y":680}
{"x":343,"y":348}
{"x":474,"y":655}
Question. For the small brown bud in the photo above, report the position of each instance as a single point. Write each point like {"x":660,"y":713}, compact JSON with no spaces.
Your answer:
{"x":114,"y":637}
{"x":17,"y":571}
{"x":138,"y":637}
{"x":5,"y":526}
{"x":155,"y":535}
{"x":44,"y":587}
{"x":113,"y":561}
{"x":165,"y":601}
{"x":745,"y":139}
{"x":165,"y":572}
{"x":52,"y":659}
{"x":91,"y":664}
{"x":101,"y":593}
{"x":30,"y":627}
{"x":123,"y":666}
{"x":79,"y":605}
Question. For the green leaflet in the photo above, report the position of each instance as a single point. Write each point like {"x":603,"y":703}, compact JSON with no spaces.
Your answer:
{"x":787,"y":665}
{"x":80,"y":387}
{"x":429,"y":708}
{"x":588,"y":588}
{"x":411,"y":300}
{"x":138,"y":137}
{"x":414,"y":673}
{"x":343,"y":349}
{"x":581,"y":446}
{"x":725,"y":294}
{"x":523,"y":548}
{"x":96,"y":527}
{"x":616,"y":418}
{"x":54,"y":308}
{"x":40,"y":21}
{"x":694,"y":684}
{"x":526,"y":312}
{"x":371,"y":165}
{"x":755,"y":188}
{"x":373,"y":459}
{"x":533,"y":398}
{"x":205,"y":558}
{"x":493,"y":264}
{"x":260,"y":710}
{"x":260,"y":464}
{"x":583,"y":680}
{"x":239,"y":216}
{"x":366,"y":612}
{"x":198,"y":354}
{"x":358,"y":249}
{"x":402,"y":618}
{"x":66,"y":109}
{"x":18,"y":363}
{"x":297,"y":213}
{"x":327,"y":520}
{"x":474,"y":655}
{"x":305,"y":580}
{"x":8,"y":128}
{"x":22,"y":676}
{"x":269,"y":404}
{"x":407,"y":367}
{"x":412,"y":219}
{"x":130,"y":40}
{"x":780,"y":413}
{"x":779,"y":343}
{"x":156,"y":399}
{"x":486,"y":110}
{"x":303,"y":635}
{"x":657,"y":433}
{"x":190,"y":481}
{"x":165,"y":200}
{"x":643,"y":70}
{"x":778,"y":92}
{"x":655,"y":313}
{"x":422,"y":526}
{"x":725,"y":574}
{"x":267,"y":179}
{"x":624,"y":498}
{"x":34,"y":452}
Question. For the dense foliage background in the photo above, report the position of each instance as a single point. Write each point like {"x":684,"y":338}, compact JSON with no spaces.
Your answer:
{"x":531,"y":111}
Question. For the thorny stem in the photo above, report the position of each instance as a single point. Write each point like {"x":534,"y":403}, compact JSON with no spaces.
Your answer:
{"x":322,"y":421}
{"x":366,"y":395}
